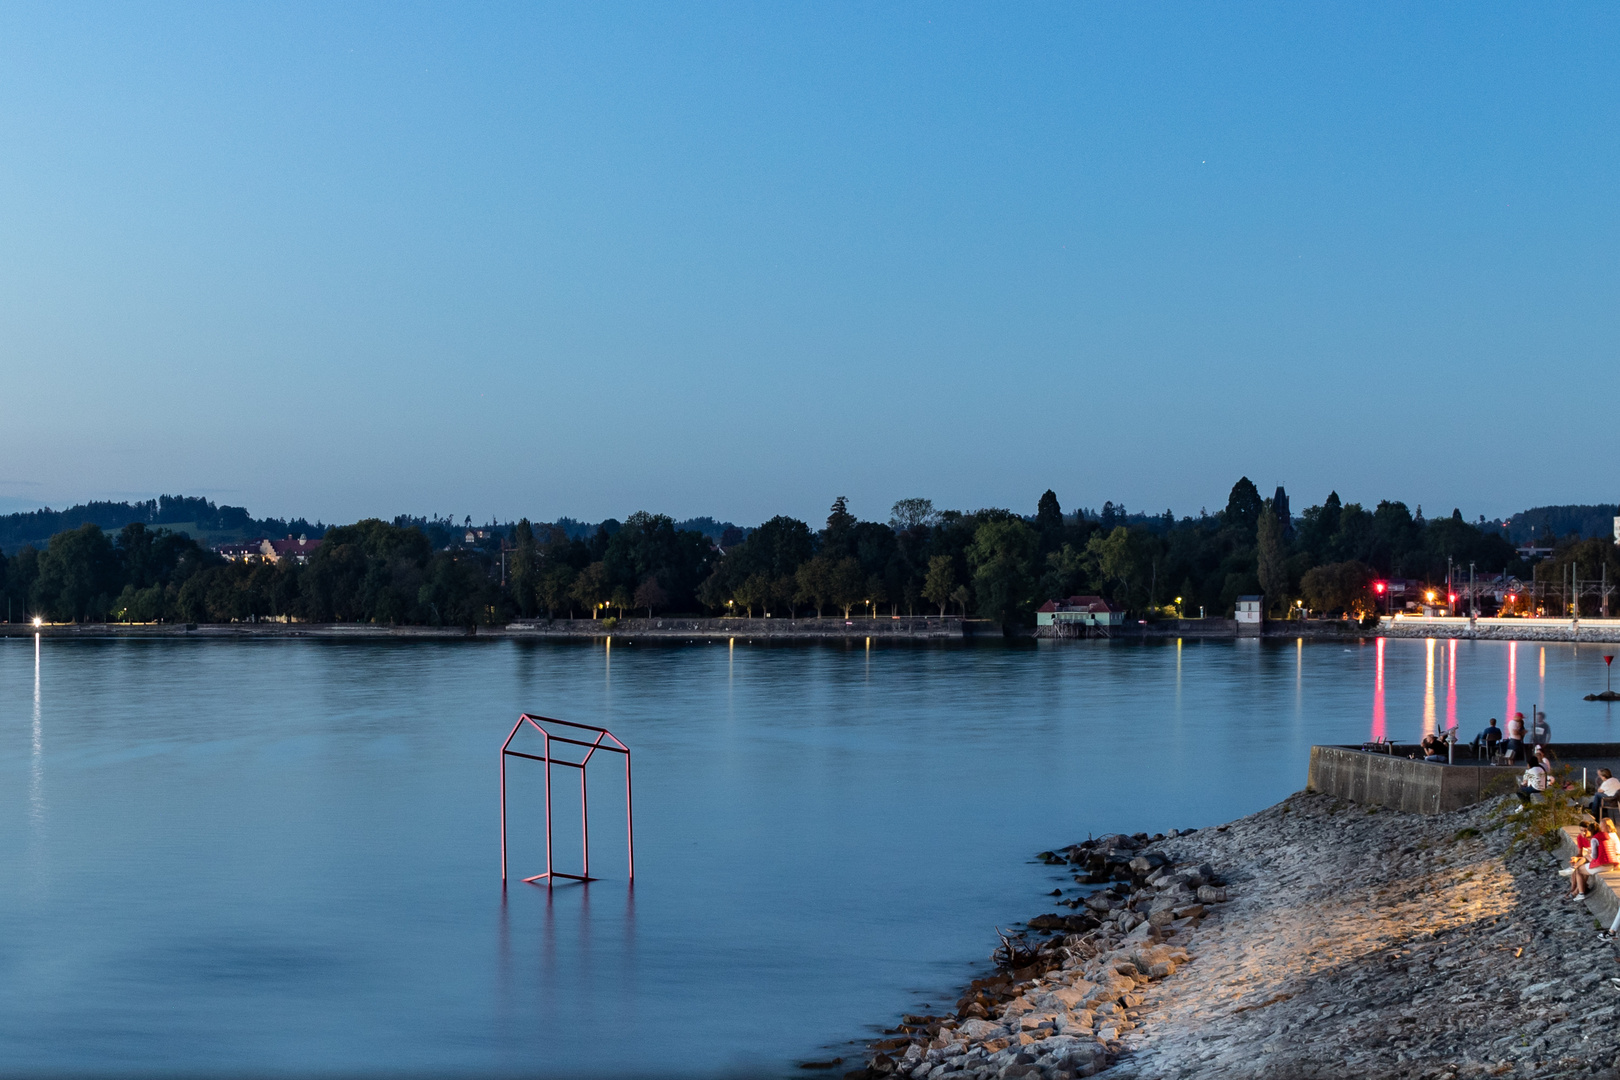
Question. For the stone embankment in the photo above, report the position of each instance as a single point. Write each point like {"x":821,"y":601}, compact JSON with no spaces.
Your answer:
{"x":1060,"y":1007}
{"x":1595,"y":631}
{"x":1357,"y":942}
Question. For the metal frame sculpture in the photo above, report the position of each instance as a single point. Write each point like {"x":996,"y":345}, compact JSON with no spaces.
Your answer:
{"x":546,"y":757}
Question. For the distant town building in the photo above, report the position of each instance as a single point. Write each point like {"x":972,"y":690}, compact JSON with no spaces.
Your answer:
{"x":245,"y":552}
{"x":1079,"y":610}
{"x":298,"y":550}
{"x":1251,"y":610}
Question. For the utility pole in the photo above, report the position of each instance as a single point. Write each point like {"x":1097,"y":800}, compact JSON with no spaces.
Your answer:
{"x":1473,"y":608}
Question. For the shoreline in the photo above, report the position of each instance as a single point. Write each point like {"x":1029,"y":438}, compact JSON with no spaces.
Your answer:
{"x":1348,"y":941}
{"x":831,"y":628}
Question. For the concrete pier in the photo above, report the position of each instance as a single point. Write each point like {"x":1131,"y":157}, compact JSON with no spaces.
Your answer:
{"x":1394,"y":778}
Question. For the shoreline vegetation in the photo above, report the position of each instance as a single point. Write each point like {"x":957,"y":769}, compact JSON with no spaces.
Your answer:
{"x":1331,"y":561}
{"x":1342,"y":941}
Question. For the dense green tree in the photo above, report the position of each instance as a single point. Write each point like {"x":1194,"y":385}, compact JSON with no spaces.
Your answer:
{"x":1271,"y":568}
{"x":848,"y":584}
{"x":523,"y":577}
{"x":940,"y":583}
{"x":1243,"y":506}
{"x":554,"y":592}
{"x":838,"y":538}
{"x":1337,"y":588}
{"x":1049,"y":522}
{"x":1065,"y":573}
{"x":78,"y":576}
{"x":908,"y":515}
{"x":591,"y":589}
{"x":1001,"y":556}
{"x":814,"y":583}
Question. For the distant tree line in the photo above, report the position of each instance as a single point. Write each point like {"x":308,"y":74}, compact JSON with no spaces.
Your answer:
{"x":992,"y":563}
{"x":180,"y":512}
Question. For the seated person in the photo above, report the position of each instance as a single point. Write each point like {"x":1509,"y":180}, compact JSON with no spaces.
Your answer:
{"x":1434,"y":747}
{"x":1605,"y":848}
{"x":1586,"y":843}
{"x":1608,"y":787}
{"x":1534,"y":780}
{"x":1489,"y":737}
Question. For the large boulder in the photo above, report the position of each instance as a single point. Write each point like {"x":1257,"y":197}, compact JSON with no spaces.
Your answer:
{"x":981,"y":1030}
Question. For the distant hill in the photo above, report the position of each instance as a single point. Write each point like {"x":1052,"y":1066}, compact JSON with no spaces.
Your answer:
{"x":200,"y":518}
{"x":1541,"y":522}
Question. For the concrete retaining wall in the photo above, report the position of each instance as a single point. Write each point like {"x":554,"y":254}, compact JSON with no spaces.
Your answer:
{"x":1402,"y":783}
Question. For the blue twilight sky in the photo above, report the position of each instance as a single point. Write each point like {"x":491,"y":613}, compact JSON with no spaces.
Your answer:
{"x":737,"y":259}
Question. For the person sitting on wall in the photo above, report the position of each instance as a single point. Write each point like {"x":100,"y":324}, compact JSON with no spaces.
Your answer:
{"x":1514,"y":742}
{"x":1608,"y":787}
{"x":1534,"y":780}
{"x":1598,"y":849}
{"x":1489,"y":737}
{"x":1540,"y":731}
{"x":1578,"y":873}
{"x":1605,"y":851}
{"x":1434,"y":747}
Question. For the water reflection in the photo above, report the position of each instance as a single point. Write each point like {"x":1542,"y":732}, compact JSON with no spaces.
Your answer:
{"x":1428,"y":687}
{"x":1378,"y":726}
{"x":1513,"y":683}
{"x":36,"y":772}
{"x":1451,"y":685}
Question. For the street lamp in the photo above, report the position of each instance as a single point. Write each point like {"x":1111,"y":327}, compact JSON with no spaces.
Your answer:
{"x":38,"y":622}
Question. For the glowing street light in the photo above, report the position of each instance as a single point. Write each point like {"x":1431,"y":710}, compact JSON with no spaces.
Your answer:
{"x":38,"y":622}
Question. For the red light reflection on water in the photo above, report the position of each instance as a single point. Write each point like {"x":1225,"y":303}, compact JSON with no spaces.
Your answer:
{"x":1513,"y":683}
{"x":1378,"y":692}
{"x":1428,"y":687}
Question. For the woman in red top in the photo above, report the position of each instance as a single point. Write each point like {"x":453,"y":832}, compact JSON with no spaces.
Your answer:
{"x":1586,"y":845}
{"x":1605,"y":846}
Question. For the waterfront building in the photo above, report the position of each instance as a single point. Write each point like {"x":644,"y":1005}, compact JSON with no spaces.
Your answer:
{"x":1087,"y":611}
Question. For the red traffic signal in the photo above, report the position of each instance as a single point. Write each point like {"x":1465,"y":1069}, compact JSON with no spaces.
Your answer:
{"x":1378,"y":586}
{"x":1453,"y":597}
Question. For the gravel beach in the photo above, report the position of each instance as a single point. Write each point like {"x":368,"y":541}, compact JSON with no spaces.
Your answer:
{"x":1329,"y":940}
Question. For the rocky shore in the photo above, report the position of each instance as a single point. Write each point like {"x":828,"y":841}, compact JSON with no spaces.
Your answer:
{"x":1317,"y":938}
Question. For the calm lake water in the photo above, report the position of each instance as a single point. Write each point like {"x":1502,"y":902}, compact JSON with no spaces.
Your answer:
{"x":283,"y":856}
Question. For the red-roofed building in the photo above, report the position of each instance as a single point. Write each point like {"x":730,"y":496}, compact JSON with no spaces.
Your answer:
{"x":1079,"y":610}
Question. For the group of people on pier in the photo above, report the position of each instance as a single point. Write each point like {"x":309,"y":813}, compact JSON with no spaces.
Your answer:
{"x":1510,"y":743}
